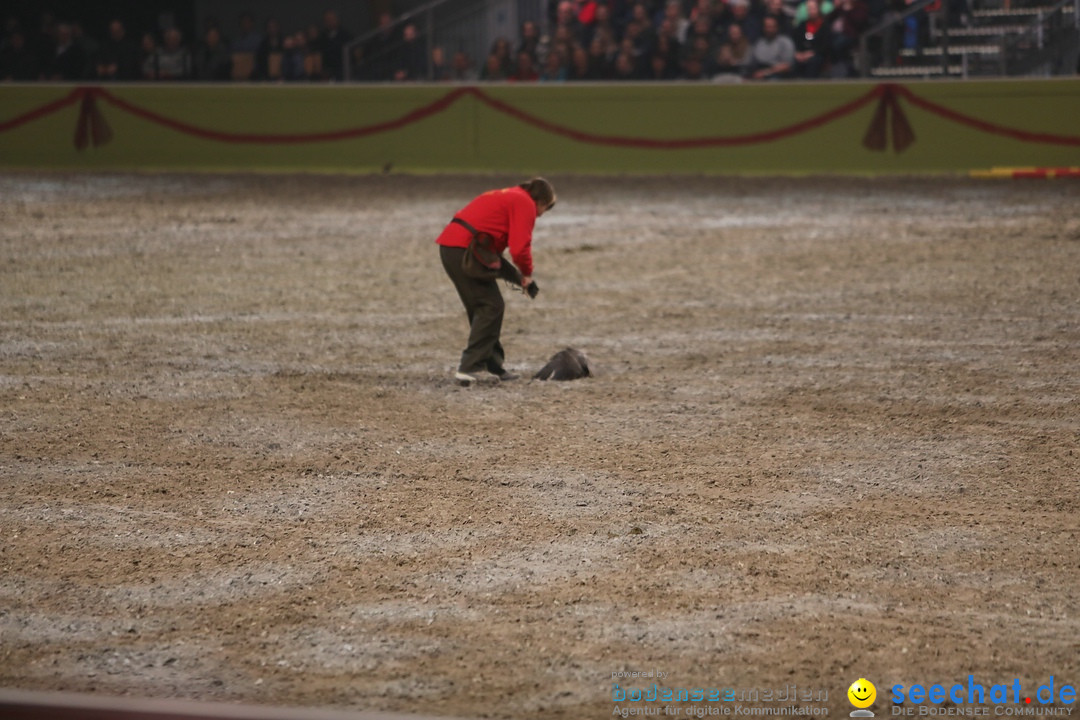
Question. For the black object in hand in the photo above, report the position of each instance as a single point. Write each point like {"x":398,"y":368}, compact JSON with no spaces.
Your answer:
{"x":532,"y":289}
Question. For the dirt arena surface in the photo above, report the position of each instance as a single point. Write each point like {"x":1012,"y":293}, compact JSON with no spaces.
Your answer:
{"x":833,"y":433}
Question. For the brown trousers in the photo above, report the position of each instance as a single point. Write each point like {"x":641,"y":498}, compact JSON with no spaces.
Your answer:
{"x":484,"y":306}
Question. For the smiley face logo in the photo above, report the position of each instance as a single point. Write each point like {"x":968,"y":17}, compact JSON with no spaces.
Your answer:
{"x":862,"y":693}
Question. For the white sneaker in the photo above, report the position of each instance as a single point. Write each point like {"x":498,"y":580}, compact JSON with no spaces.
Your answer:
{"x":465,"y":379}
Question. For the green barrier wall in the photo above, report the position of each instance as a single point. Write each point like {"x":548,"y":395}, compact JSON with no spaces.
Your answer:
{"x":640,"y":128}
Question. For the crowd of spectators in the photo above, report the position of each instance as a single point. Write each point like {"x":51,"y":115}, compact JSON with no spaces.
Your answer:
{"x":605,"y":40}
{"x":685,"y":39}
{"x":65,"y":50}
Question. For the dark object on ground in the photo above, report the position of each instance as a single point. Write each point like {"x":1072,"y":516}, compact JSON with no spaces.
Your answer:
{"x":568,"y":364}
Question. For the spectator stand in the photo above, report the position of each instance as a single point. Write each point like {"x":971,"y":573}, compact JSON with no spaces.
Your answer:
{"x":461,"y":29}
{"x":953,"y":39}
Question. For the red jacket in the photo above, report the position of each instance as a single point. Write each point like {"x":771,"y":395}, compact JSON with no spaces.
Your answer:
{"x":508,"y":215}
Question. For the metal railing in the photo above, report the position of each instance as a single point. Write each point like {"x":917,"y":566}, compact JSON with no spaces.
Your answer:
{"x":440,"y":27}
{"x":1040,"y":47}
{"x":887,"y":32}
{"x":1044,"y":40}
{"x":353,"y":52}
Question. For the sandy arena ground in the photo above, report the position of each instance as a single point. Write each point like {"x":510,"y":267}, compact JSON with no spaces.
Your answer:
{"x":834,"y":433}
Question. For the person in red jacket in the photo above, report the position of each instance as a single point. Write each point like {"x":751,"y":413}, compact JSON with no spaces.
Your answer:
{"x":508,"y":216}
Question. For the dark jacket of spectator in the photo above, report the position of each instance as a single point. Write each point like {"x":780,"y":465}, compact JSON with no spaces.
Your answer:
{"x":248,"y":39}
{"x":90,"y":48}
{"x":17,"y":61}
{"x":847,"y":21}
{"x":332,"y":42}
{"x":118,"y":58}
{"x":378,"y":50}
{"x":212,"y":58}
{"x":529,"y":40}
{"x":813,"y":43}
{"x":293,"y":59}
{"x":273,"y":44}
{"x":68,"y":61}
{"x":411,"y":61}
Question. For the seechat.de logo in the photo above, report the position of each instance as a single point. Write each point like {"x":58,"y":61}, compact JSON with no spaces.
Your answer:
{"x":974,"y":693}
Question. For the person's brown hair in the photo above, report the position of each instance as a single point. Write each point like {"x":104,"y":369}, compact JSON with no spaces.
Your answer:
{"x":541,"y":191}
